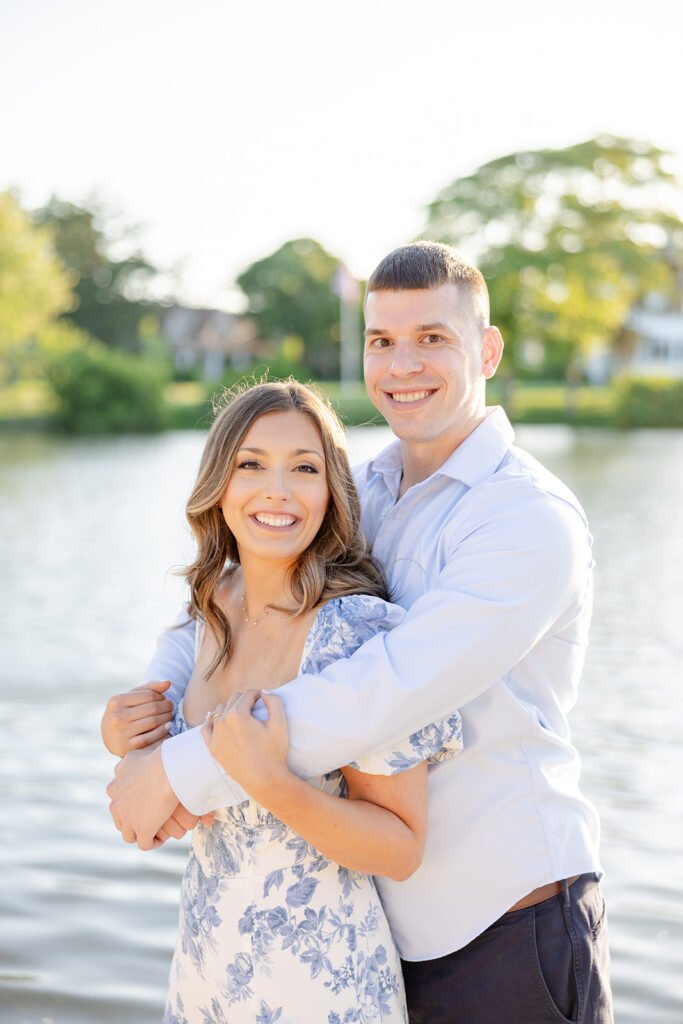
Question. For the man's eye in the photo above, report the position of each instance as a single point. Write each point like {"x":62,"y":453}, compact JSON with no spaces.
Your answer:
{"x":379,"y":343}
{"x":432,"y":339}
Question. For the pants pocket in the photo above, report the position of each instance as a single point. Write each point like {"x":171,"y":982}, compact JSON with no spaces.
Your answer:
{"x":554,"y":961}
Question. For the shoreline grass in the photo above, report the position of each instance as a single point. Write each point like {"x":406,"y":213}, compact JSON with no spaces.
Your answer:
{"x":31,"y":405}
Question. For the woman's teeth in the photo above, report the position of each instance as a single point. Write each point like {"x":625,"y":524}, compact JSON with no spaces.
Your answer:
{"x":274,"y":520}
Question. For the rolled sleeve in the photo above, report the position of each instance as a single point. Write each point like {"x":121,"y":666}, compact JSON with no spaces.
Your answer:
{"x":195,"y":776}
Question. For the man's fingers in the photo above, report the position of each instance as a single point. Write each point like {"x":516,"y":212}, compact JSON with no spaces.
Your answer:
{"x":145,"y":722}
{"x":145,"y":739}
{"x":112,"y":811}
{"x":186,"y":819}
{"x":137,"y":699}
{"x":144,"y":702}
{"x":158,"y":686}
{"x":174,"y":828}
{"x":128,"y":835}
{"x":206,"y":819}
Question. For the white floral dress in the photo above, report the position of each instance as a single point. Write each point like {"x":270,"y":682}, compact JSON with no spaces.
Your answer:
{"x":271,"y":931}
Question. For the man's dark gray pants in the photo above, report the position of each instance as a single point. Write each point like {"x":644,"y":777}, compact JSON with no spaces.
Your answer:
{"x":547,"y":964}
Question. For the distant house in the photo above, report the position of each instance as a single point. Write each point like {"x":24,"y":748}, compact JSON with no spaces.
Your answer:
{"x":654,"y":331}
{"x":208,"y":339}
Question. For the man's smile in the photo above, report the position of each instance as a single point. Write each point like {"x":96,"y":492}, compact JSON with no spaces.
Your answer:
{"x":409,"y":397}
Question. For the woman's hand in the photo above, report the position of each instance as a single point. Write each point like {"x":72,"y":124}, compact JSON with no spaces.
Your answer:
{"x":138,"y":718}
{"x":252,"y":752}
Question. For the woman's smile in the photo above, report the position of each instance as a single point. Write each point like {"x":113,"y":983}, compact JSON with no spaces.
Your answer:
{"x":274,"y":521}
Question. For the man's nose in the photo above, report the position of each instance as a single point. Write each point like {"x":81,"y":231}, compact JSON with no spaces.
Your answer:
{"x":406,"y":359}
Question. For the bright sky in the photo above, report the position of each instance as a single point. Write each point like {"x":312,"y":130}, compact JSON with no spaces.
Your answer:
{"x":226,"y":128}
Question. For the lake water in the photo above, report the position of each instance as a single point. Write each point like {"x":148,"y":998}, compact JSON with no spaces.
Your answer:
{"x":88,"y":532}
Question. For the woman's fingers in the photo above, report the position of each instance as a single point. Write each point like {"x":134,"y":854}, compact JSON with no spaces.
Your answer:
{"x":275,"y":707}
{"x":245,"y":701}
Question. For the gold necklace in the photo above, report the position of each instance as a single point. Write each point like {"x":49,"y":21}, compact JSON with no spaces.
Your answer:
{"x":253,"y":622}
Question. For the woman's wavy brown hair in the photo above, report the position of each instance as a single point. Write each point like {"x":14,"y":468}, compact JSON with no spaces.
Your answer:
{"x":337,"y":562}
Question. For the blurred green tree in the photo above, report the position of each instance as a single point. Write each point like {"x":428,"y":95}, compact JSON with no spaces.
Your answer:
{"x":290,"y":300}
{"x":35,"y":290}
{"x":568,"y":240}
{"x":110,"y":292}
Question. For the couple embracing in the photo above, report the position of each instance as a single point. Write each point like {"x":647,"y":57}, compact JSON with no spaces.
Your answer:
{"x":417,"y":731}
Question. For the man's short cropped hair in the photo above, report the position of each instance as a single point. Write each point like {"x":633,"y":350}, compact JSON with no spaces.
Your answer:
{"x":428,"y":265}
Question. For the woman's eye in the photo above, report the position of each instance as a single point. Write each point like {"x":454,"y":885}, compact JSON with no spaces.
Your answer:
{"x":306,"y":467}
{"x":249,"y":464}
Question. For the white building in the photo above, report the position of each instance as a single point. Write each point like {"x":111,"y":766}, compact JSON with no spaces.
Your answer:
{"x":656,"y":328}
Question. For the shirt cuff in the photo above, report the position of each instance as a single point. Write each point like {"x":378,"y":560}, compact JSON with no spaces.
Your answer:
{"x":195,"y":776}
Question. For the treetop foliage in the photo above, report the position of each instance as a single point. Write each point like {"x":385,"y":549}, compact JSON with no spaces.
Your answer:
{"x":290,"y":297}
{"x":109,"y":286}
{"x":567,"y":239}
{"x":35,"y":287}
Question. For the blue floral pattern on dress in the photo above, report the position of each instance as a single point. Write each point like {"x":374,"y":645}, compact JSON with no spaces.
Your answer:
{"x":272,"y":931}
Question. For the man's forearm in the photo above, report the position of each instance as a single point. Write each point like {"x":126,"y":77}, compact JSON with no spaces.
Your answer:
{"x":490,"y":607}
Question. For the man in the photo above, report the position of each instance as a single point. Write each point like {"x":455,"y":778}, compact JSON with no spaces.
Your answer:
{"x":490,"y":554}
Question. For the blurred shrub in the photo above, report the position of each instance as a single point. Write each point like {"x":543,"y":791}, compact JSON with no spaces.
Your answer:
{"x":277,"y":368}
{"x":649,"y":402}
{"x":101,"y":391}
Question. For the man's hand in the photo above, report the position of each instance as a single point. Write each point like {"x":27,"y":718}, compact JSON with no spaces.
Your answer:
{"x":142,"y":800}
{"x":179,"y":824}
{"x":137,"y":719}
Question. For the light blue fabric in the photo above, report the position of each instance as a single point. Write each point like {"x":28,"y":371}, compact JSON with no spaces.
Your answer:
{"x":270,"y":929}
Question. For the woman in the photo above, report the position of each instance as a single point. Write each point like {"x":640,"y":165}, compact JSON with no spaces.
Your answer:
{"x":280,"y":919}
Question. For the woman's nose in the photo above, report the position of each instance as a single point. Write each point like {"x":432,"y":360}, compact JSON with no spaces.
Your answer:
{"x":278,"y":486}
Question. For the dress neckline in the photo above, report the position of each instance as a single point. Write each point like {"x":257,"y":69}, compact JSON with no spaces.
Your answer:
{"x":308,"y":643}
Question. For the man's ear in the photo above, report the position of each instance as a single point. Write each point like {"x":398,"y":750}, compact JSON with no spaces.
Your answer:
{"x":493,"y":351}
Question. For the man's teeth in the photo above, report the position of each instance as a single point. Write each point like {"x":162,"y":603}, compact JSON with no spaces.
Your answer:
{"x":409,"y":396}
{"x":275,"y":520}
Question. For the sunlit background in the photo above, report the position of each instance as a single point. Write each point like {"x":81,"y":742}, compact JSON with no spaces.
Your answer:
{"x":227,"y":128}
{"x":193,"y":192}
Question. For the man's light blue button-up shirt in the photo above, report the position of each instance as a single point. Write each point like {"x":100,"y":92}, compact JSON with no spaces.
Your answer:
{"x":491,"y":555}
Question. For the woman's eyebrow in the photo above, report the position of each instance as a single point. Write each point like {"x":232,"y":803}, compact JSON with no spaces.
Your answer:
{"x":298,"y":451}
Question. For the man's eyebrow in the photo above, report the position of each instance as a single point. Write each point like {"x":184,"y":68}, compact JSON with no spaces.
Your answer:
{"x":419,"y":328}
{"x":436,"y":326}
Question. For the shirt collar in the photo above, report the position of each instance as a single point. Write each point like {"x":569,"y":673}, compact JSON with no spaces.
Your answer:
{"x":471,"y":462}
